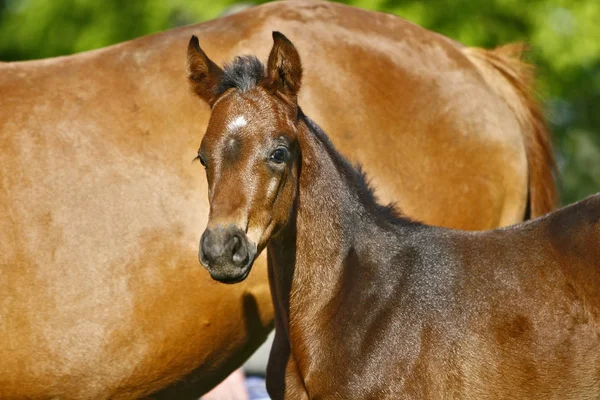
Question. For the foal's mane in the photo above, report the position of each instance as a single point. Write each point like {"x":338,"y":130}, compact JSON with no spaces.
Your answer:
{"x":357,"y":178}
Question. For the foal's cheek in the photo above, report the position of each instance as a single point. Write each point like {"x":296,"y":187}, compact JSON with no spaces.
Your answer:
{"x":284,"y":203}
{"x":208,"y":180}
{"x":272,"y":188}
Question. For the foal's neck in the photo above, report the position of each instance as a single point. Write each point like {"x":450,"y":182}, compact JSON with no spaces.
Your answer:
{"x":335,"y":217}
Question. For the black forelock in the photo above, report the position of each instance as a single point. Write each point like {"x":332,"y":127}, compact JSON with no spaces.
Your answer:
{"x":243,"y":74}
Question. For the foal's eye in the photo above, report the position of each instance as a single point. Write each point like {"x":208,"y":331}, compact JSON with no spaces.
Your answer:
{"x":199,"y":158}
{"x":279,"y":155}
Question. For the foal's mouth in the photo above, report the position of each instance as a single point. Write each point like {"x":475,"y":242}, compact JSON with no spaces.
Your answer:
{"x":232,"y":280}
{"x":230,"y":275}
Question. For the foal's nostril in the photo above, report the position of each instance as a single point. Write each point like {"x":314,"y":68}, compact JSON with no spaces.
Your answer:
{"x":212,"y":247}
{"x":240,"y":252}
{"x":206,"y":253}
{"x":236,"y":244}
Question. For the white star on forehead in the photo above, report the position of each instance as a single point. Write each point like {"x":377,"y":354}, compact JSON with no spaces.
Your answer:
{"x":237,"y":122}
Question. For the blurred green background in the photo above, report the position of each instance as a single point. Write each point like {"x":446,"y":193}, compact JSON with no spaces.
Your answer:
{"x":564,"y":37}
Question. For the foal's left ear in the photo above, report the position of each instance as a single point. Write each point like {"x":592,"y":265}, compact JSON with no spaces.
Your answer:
{"x":284,"y":70}
{"x":203,"y":74}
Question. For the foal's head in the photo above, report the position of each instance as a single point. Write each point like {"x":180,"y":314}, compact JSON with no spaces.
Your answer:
{"x":250,"y":153}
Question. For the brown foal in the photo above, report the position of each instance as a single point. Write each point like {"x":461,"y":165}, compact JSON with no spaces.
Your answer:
{"x":368,"y":303}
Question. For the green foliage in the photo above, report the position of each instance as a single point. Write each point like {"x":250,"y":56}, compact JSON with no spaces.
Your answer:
{"x":562,"y":34}
{"x":46,"y":28}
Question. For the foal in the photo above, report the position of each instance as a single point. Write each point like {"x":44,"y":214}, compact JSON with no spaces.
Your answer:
{"x":370,"y":304}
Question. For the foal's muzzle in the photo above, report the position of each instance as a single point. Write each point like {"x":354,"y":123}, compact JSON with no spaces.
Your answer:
{"x":226,"y":253}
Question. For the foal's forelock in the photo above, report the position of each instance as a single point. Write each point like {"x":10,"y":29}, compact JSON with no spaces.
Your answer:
{"x":243,"y":74}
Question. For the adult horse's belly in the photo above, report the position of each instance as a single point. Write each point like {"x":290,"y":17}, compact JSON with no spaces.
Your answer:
{"x":101,"y":291}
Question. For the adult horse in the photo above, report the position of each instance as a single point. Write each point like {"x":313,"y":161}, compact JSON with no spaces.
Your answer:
{"x":102,"y":294}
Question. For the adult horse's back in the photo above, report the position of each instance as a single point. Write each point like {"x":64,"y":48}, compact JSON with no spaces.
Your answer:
{"x":102,"y":294}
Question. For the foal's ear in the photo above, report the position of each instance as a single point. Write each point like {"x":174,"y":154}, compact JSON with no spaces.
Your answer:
{"x":284,"y":70}
{"x":203,"y":74}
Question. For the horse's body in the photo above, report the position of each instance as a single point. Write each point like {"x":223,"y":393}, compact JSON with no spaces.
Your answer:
{"x":101,"y":293}
{"x":368,"y":303}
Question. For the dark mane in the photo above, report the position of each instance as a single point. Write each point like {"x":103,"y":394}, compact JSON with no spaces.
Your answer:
{"x":359,"y":180}
{"x":243,"y":74}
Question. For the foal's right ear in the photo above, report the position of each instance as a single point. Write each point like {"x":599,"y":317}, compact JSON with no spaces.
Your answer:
{"x":203,"y":74}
